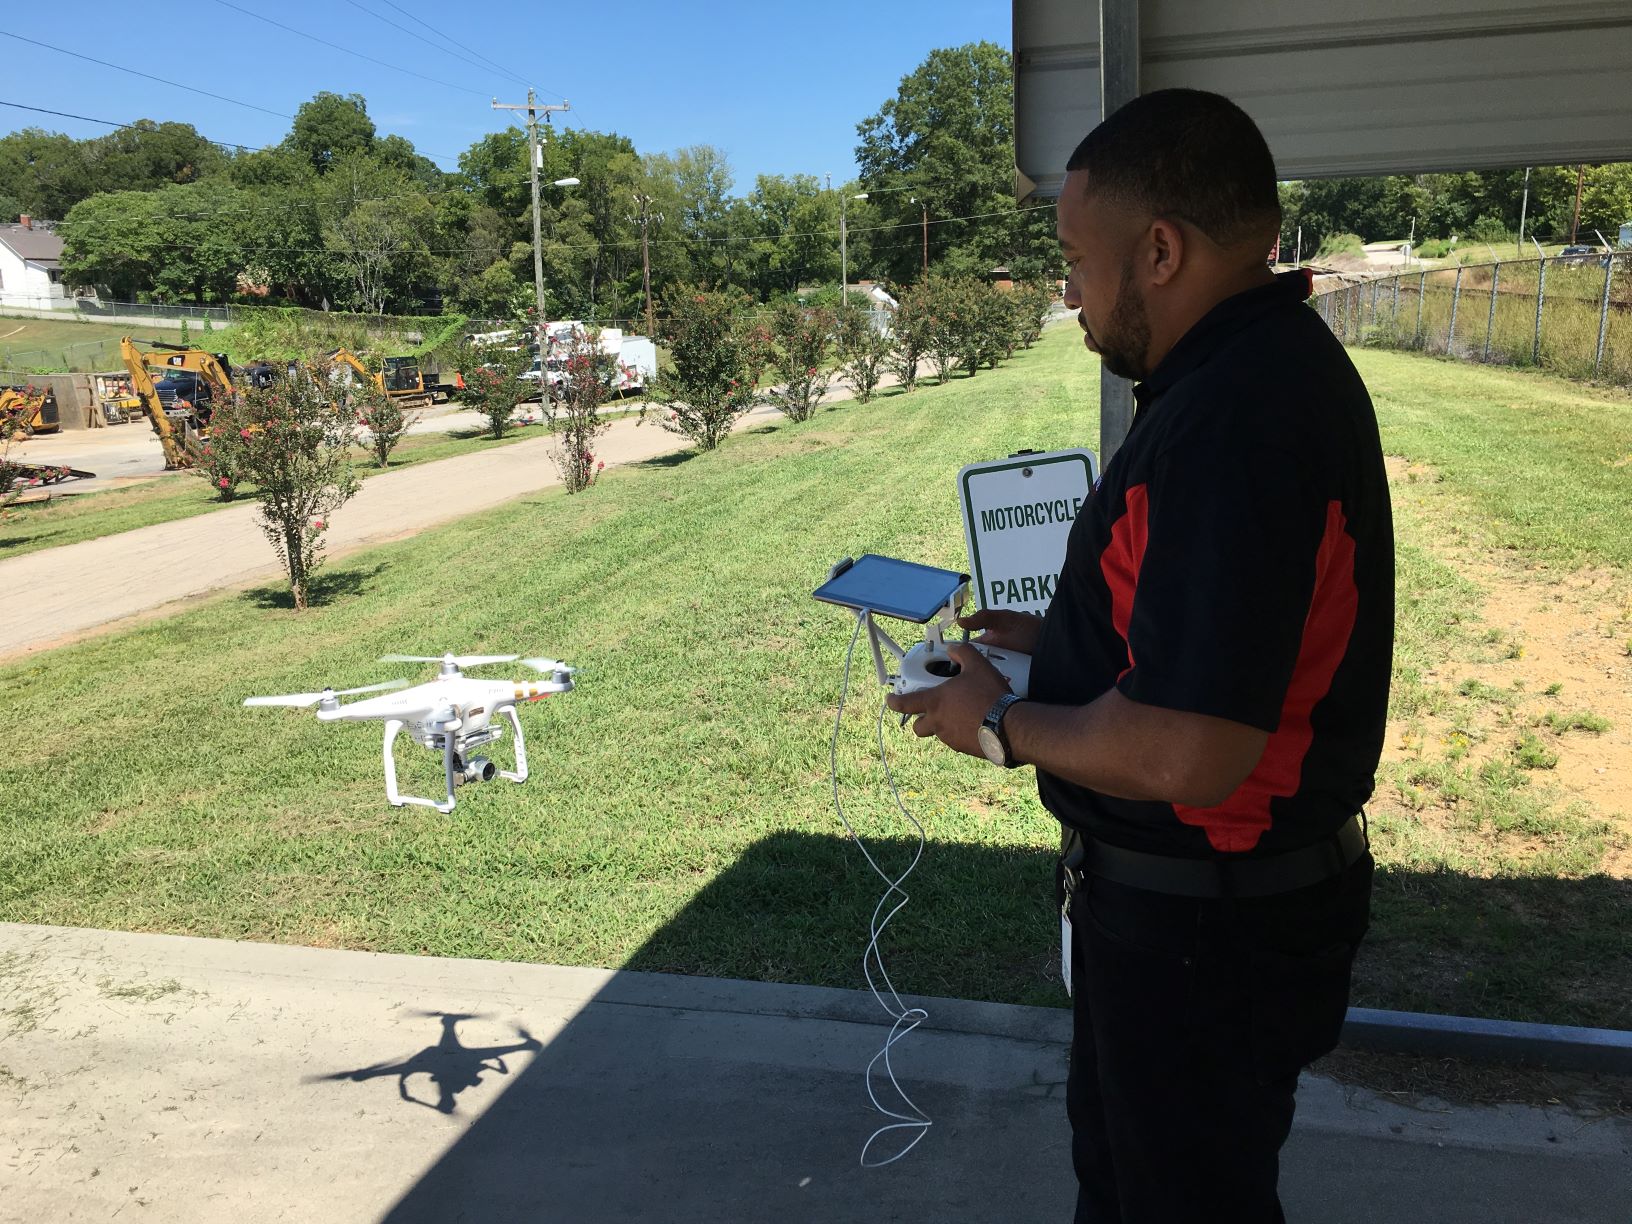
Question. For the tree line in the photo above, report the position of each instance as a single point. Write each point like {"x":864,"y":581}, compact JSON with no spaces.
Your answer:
{"x":1476,"y":206}
{"x":338,"y":214}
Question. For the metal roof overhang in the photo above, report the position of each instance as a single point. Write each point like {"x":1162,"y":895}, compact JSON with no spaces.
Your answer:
{"x":1372,"y":87}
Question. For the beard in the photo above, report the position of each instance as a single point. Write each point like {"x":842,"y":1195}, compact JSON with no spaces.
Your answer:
{"x":1125,"y":340}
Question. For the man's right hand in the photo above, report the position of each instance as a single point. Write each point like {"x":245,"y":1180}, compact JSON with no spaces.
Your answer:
{"x":1005,"y":630}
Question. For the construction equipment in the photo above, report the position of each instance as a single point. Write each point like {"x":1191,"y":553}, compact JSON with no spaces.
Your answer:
{"x":400,"y":378}
{"x":180,"y":402}
{"x":30,"y":410}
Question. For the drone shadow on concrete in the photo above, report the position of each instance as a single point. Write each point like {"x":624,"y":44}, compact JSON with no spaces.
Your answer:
{"x":329,"y":586}
{"x":451,"y":1066}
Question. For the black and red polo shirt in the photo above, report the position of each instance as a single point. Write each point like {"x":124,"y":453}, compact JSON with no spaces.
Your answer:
{"x":1237,"y":560}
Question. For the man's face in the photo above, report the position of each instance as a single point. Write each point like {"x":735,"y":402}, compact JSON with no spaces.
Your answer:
{"x":1098,"y":242}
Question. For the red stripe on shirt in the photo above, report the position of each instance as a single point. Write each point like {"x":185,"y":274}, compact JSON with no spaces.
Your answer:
{"x":1238,"y":822}
{"x":1121,"y":559}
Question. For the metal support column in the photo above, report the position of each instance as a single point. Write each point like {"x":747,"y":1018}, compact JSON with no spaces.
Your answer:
{"x":1118,"y":85}
{"x":1456,"y":300}
{"x":1541,"y":296}
{"x":1603,"y":314}
{"x":1490,"y":323}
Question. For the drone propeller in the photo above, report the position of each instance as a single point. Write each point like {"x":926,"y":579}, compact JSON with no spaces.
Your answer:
{"x":456,"y":660}
{"x":308,"y":699}
{"x":550,"y":665}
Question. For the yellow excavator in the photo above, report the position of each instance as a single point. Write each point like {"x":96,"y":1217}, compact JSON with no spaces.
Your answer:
{"x":33,"y":411}
{"x":400,"y":378}
{"x":180,"y":400}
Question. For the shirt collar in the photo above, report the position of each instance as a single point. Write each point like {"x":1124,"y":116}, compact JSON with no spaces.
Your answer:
{"x":1217,"y":325}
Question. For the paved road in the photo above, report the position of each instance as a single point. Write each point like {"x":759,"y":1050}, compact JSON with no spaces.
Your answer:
{"x":162,"y":1078}
{"x":57,"y":594}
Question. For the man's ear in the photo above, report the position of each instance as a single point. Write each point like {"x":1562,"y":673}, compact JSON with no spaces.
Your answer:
{"x":1166,"y":250}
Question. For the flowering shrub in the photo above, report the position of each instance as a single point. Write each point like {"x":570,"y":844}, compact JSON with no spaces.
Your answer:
{"x":217,"y":460}
{"x":588,"y":372}
{"x":863,"y":350}
{"x":493,"y":382}
{"x":380,"y":418}
{"x":1032,"y":300}
{"x":804,"y":342}
{"x":909,"y":331}
{"x":712,"y":379}
{"x":293,"y":443}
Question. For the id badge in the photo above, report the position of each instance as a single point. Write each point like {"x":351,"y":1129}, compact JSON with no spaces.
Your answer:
{"x":1065,"y":947}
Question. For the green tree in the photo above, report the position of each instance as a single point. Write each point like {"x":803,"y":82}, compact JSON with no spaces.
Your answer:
{"x":376,"y":224}
{"x":948,"y":136}
{"x":711,"y":379}
{"x":799,"y":367}
{"x":294,"y":445}
{"x":493,"y":382}
{"x":147,"y":154}
{"x":45,"y":172}
{"x":330,"y":127}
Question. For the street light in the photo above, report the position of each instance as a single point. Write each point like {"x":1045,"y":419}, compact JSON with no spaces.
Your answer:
{"x":844,"y":250}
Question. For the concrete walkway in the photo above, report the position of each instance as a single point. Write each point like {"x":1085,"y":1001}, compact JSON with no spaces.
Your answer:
{"x":163,"y":1078}
{"x":57,"y":594}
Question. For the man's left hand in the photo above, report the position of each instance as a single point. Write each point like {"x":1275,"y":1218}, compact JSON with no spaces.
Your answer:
{"x":953,"y":710}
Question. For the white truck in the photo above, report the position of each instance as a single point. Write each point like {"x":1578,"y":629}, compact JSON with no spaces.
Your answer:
{"x":636,"y":357}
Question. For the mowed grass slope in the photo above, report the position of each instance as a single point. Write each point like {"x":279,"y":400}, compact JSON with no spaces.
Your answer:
{"x":680,"y":815}
{"x":150,"y":799}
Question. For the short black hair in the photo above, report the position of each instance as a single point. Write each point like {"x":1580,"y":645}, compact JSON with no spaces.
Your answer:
{"x":1188,"y":154}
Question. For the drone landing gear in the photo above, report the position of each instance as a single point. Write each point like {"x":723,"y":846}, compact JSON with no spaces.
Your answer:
{"x":453,"y":761}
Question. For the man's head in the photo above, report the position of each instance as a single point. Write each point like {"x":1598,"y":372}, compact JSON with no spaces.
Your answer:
{"x":1169,"y":206}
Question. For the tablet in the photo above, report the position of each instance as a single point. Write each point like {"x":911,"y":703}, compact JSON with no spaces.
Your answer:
{"x":890,"y":587}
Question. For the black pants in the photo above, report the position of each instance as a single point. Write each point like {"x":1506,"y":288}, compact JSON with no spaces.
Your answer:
{"x":1192,"y":1019}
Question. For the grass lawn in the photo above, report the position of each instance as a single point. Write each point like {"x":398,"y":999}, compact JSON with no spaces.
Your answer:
{"x":680,"y":813}
{"x":68,"y":520}
{"x":68,"y":344}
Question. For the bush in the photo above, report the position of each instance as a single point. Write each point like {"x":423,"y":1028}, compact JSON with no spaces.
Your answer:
{"x":947,"y":330}
{"x":713,"y":376}
{"x":1031,"y":302}
{"x":294,"y":444}
{"x":804,"y":342}
{"x":493,"y":382}
{"x":574,"y":408}
{"x":381,"y":416}
{"x":217,"y":460}
{"x":863,"y":350}
{"x":910,"y":334}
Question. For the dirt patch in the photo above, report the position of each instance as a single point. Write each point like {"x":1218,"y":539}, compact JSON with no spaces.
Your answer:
{"x":1549,"y":685}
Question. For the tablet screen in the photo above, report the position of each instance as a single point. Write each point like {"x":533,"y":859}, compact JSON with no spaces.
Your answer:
{"x":892,"y":588}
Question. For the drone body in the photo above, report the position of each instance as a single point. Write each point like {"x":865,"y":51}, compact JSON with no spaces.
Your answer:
{"x":454,"y":715}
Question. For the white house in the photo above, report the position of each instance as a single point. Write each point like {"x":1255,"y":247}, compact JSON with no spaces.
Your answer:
{"x":31,"y":267}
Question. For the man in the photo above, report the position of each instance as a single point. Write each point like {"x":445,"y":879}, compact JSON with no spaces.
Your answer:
{"x":1209,"y":686}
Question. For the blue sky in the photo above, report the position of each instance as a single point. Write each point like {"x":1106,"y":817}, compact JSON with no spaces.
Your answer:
{"x":778,"y":85}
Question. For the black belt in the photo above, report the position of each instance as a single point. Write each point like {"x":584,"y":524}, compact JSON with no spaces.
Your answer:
{"x":1234,"y":876}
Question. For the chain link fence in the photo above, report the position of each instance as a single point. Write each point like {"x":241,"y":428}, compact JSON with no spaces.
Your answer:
{"x":1571,"y":314}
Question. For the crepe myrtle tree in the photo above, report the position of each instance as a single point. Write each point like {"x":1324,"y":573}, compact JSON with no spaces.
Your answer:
{"x":293,"y":441}
{"x":910,"y":334}
{"x":587,"y":373}
{"x":711,"y":379}
{"x":804,"y":342}
{"x":380,"y":418}
{"x":493,"y":381}
{"x":864,"y":350}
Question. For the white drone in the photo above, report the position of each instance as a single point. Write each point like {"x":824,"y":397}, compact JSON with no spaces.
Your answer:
{"x":452,"y":714}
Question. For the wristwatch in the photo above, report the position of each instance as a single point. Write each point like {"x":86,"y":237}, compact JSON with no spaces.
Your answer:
{"x":992,"y":740}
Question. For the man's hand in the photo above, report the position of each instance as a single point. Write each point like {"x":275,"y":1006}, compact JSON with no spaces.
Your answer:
{"x":1005,"y":630}
{"x":953,"y":710}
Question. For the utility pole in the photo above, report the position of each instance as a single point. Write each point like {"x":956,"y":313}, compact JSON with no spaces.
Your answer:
{"x":1524,"y":207}
{"x":1580,"y":178}
{"x":534,"y":157}
{"x":644,"y":202}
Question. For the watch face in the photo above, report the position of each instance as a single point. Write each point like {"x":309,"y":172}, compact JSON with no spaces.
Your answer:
{"x":992,"y":746}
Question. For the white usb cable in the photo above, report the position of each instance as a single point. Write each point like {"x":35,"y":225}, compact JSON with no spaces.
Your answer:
{"x":905,"y":1018}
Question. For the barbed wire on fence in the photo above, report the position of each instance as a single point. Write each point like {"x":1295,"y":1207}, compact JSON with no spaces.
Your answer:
{"x":1568,"y":313}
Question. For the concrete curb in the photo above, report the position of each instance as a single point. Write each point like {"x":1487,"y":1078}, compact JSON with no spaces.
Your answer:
{"x":1557,"y":1047}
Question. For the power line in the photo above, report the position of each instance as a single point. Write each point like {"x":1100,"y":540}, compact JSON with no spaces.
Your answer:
{"x":121,"y":68}
{"x":450,"y":39}
{"x":324,"y":42}
{"x":412,"y":34}
{"x":40,"y":110}
{"x":225,"y":144}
